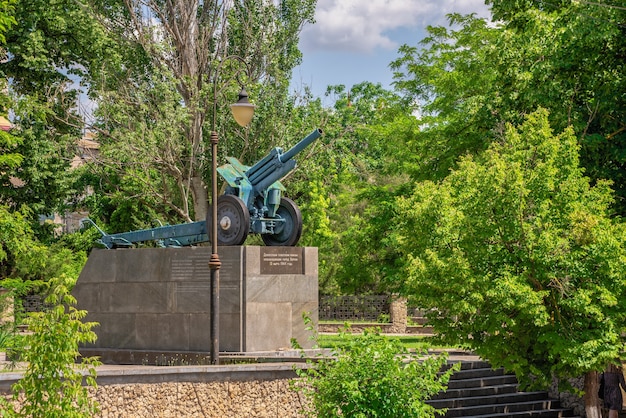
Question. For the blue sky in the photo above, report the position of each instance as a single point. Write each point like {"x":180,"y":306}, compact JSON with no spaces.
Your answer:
{"x":355,"y":40}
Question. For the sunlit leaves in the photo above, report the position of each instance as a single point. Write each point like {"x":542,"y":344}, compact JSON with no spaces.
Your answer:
{"x":52,"y":383}
{"x":473,"y":78}
{"x":516,"y":255}
{"x":373,"y":376}
{"x":6,"y":17}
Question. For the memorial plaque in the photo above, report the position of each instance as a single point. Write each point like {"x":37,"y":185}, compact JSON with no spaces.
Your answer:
{"x":190,"y":266}
{"x":282,"y":260}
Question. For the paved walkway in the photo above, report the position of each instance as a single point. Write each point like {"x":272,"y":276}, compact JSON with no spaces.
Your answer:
{"x":285,"y":364}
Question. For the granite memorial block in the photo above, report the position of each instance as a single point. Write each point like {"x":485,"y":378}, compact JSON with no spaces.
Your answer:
{"x":160,"y":298}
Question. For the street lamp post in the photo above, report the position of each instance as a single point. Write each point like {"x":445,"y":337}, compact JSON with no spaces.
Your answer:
{"x":242,"y":112}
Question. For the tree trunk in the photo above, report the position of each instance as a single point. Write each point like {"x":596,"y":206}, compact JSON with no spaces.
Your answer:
{"x":200,"y":198}
{"x":592,"y":402}
{"x":198,"y":188}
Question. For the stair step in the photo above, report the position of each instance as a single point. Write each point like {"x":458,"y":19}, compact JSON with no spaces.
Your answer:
{"x":477,"y":372}
{"x":489,"y":400}
{"x":481,"y":382}
{"x":479,"y":410}
{"x":478,"y":390}
{"x":468,"y":365}
{"x":556,"y":413}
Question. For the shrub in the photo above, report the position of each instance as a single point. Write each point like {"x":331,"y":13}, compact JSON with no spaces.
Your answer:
{"x":5,"y":339}
{"x":373,"y":376}
{"x":52,"y":382}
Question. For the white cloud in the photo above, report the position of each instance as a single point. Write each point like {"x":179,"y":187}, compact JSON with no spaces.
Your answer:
{"x":364,"y":25}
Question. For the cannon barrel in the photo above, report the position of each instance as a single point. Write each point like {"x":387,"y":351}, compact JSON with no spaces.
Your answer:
{"x":296,"y":149}
{"x":276,"y":164}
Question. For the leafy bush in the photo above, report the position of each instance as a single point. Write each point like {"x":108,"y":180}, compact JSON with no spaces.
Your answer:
{"x":52,"y":383}
{"x":5,"y":339}
{"x":373,"y":376}
{"x":384,"y":318}
{"x":7,"y":319}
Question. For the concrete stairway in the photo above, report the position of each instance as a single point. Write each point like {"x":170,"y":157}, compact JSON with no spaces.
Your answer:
{"x":479,"y":391}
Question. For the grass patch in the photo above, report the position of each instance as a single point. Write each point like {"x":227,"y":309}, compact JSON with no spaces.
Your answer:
{"x":411,"y":342}
{"x":352,"y":321}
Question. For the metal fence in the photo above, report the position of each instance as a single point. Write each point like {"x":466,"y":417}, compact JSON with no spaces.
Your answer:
{"x":33,"y":303}
{"x":367,"y":308}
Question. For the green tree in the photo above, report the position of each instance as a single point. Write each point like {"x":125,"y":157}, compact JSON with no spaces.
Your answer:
{"x":16,"y":237}
{"x":373,"y":376}
{"x":516,"y":257}
{"x":157,"y":80}
{"x":156,"y":108}
{"x":9,"y":157}
{"x":364,"y":169}
{"x":362,"y":131}
{"x":565,"y":56}
{"x":52,"y":383}
{"x":579,"y":62}
{"x":25,"y":258}
{"x":44,"y":54}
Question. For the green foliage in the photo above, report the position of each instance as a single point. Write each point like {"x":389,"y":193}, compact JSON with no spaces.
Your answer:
{"x":24,"y":257}
{"x":52,"y":383}
{"x":339,"y":181}
{"x":566,"y":57}
{"x":6,"y":338}
{"x":448,"y":75}
{"x":515,"y":256}
{"x":45,"y":43}
{"x":140,"y":160}
{"x":43,"y":177}
{"x":158,"y":104}
{"x":317,"y":228}
{"x":43,"y":262}
{"x":7,"y":322}
{"x":80,"y":242}
{"x":51,"y":44}
{"x":371,"y":262}
{"x":6,"y":17}
{"x":9,"y":158}
{"x":27,"y":266}
{"x":15,"y":236}
{"x":373,"y":376}
{"x":417,"y":343}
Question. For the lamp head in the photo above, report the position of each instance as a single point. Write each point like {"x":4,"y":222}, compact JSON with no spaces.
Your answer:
{"x":243,"y":110}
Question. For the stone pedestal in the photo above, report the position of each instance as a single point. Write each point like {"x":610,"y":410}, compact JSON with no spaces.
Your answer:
{"x":159,"y":299}
{"x":6,"y":307}
{"x":398,"y":315}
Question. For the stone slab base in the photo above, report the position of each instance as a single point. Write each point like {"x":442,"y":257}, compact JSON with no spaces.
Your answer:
{"x":159,"y":299}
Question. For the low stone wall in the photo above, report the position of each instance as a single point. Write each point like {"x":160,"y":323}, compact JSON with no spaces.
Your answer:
{"x":214,"y":399}
{"x":570,"y":400}
{"x":255,"y":391}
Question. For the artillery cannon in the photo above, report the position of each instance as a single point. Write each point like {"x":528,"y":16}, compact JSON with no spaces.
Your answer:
{"x":252,"y":202}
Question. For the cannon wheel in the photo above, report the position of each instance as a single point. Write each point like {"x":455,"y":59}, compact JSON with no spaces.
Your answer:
{"x":288,"y":233}
{"x":233,"y":220}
